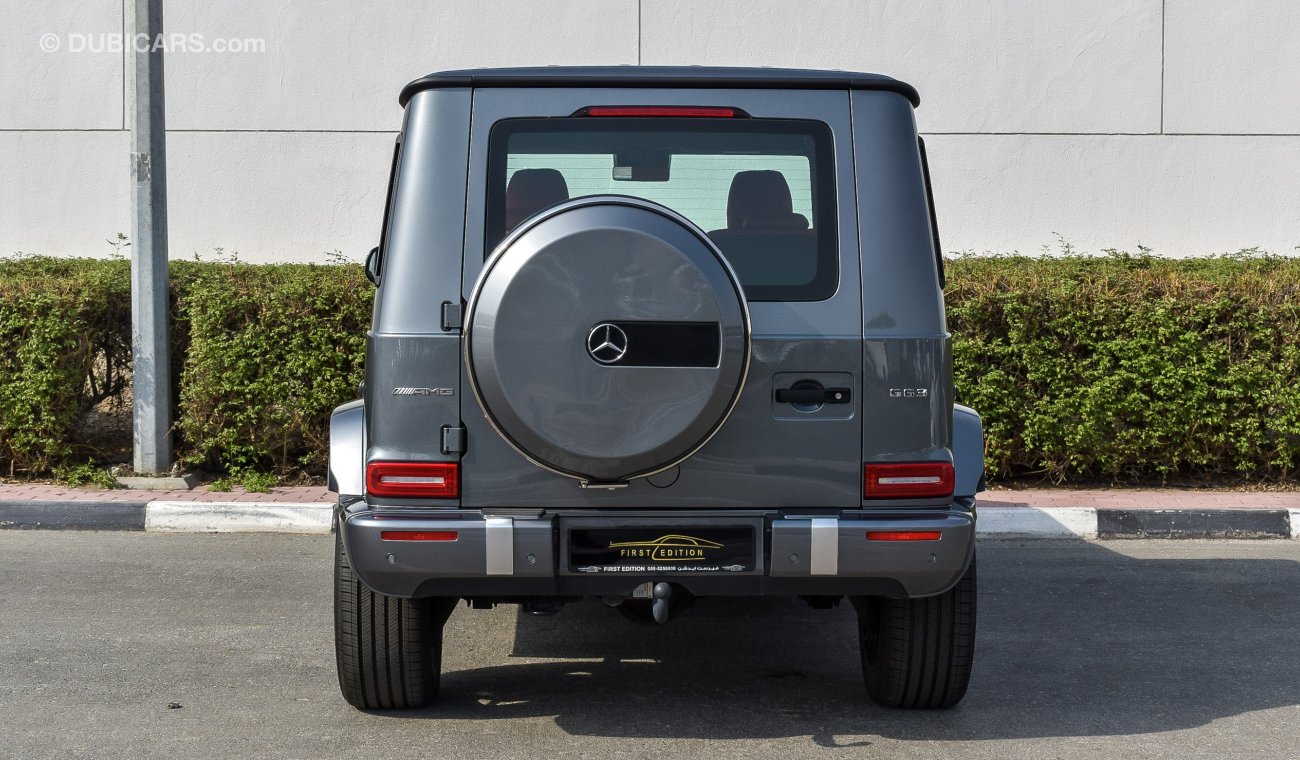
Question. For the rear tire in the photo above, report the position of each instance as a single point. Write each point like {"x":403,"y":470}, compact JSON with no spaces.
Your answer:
{"x":389,"y":650}
{"x":917,"y":653}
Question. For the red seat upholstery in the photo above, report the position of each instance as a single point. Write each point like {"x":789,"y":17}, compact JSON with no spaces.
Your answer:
{"x":530,"y":191}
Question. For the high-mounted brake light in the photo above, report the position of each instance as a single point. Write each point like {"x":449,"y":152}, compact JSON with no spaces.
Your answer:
{"x":707,"y":112}
{"x":413,"y":480}
{"x":419,"y":535}
{"x":910,"y":480}
{"x":903,"y":535}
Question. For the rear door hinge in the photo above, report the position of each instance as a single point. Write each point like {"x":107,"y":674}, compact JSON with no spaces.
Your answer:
{"x":453,"y":439}
{"x":451,"y":319}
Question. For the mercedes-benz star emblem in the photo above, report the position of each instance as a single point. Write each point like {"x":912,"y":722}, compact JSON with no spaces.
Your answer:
{"x":607,"y":343}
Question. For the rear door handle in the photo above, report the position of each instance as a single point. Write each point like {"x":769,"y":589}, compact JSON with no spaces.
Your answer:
{"x":813,"y":395}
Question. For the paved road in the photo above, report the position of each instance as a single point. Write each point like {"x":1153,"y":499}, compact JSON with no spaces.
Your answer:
{"x":1127,"y":649}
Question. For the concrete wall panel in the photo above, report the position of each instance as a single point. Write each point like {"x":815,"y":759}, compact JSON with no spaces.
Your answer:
{"x":1182,"y":196}
{"x":1050,"y":66}
{"x":337,"y":65}
{"x":273,"y":196}
{"x":1232,"y":67}
{"x":56,"y":71}
{"x":1038,"y":114}
{"x":64,"y":193}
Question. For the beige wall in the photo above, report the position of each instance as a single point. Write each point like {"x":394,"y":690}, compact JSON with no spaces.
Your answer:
{"x":1173,"y":124}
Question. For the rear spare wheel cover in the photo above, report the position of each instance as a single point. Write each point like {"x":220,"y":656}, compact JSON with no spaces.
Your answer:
{"x":607,"y":339}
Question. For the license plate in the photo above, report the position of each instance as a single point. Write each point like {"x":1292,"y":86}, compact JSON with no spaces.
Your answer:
{"x":659,"y":549}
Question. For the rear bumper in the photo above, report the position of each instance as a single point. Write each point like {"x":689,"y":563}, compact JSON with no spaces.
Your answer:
{"x":522,"y":553}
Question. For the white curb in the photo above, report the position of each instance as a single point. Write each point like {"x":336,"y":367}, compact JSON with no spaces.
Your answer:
{"x":265,"y":517}
{"x":1036,"y":522}
{"x":236,"y":517}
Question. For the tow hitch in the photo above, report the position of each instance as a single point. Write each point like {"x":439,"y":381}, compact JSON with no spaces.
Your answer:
{"x":652,"y":603}
{"x":663,"y":594}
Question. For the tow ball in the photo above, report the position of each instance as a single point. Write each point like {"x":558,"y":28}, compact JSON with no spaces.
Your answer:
{"x":651,"y":603}
{"x":663,"y":594}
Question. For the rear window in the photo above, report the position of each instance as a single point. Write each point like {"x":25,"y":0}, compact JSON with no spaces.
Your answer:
{"x":763,"y":190}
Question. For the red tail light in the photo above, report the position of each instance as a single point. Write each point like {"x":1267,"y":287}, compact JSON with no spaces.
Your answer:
{"x":679,"y":111}
{"x":910,"y":480}
{"x":903,"y":535}
{"x":414,"y":480}
{"x":419,"y":535}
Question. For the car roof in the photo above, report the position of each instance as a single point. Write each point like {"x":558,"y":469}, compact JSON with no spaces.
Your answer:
{"x":714,"y":77}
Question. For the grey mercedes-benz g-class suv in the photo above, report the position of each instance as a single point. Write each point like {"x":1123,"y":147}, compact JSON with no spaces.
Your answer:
{"x":644,"y":335}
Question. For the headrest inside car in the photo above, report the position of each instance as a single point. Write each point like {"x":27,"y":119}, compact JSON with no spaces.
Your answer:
{"x":759,"y":201}
{"x":530,"y":191}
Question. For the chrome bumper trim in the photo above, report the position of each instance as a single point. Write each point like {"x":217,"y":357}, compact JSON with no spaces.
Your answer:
{"x":499,"y":546}
{"x":825,"y":547}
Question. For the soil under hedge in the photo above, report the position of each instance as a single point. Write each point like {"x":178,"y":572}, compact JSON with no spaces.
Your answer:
{"x":1122,"y":368}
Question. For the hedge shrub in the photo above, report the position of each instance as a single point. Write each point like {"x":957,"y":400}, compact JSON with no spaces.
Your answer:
{"x":1131,"y":368}
{"x":271,"y":351}
{"x":1123,"y":368}
{"x":65,"y":346}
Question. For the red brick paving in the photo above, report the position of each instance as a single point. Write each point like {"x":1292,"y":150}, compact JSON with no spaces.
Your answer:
{"x":46,"y":492}
{"x":1124,"y":498}
{"x":1036,"y":497}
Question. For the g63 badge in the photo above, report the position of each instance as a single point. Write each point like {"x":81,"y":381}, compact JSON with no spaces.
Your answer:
{"x":909,"y":392}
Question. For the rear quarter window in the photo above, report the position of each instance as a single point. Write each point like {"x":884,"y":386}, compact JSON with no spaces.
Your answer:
{"x":763,"y":190}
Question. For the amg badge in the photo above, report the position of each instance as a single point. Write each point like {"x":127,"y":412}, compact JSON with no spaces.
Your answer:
{"x":424,"y":391}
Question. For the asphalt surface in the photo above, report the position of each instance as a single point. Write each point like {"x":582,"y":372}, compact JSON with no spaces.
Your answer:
{"x":1129,"y":649}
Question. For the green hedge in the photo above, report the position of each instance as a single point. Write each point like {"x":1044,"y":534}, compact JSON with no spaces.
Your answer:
{"x":1131,"y":368}
{"x":65,"y":345}
{"x":1127,"y":369}
{"x":271,"y":351}
{"x":261,"y":355}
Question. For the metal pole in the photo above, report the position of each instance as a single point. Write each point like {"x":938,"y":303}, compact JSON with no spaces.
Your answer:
{"x":150,"y":369}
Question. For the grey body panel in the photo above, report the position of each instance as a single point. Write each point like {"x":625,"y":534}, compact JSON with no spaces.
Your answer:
{"x":900,"y":279}
{"x":967,"y":450}
{"x":412,"y":392}
{"x":347,"y":460}
{"x":907,"y":374}
{"x":421,"y":263}
{"x":421,"y":260}
{"x":680,"y":77}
